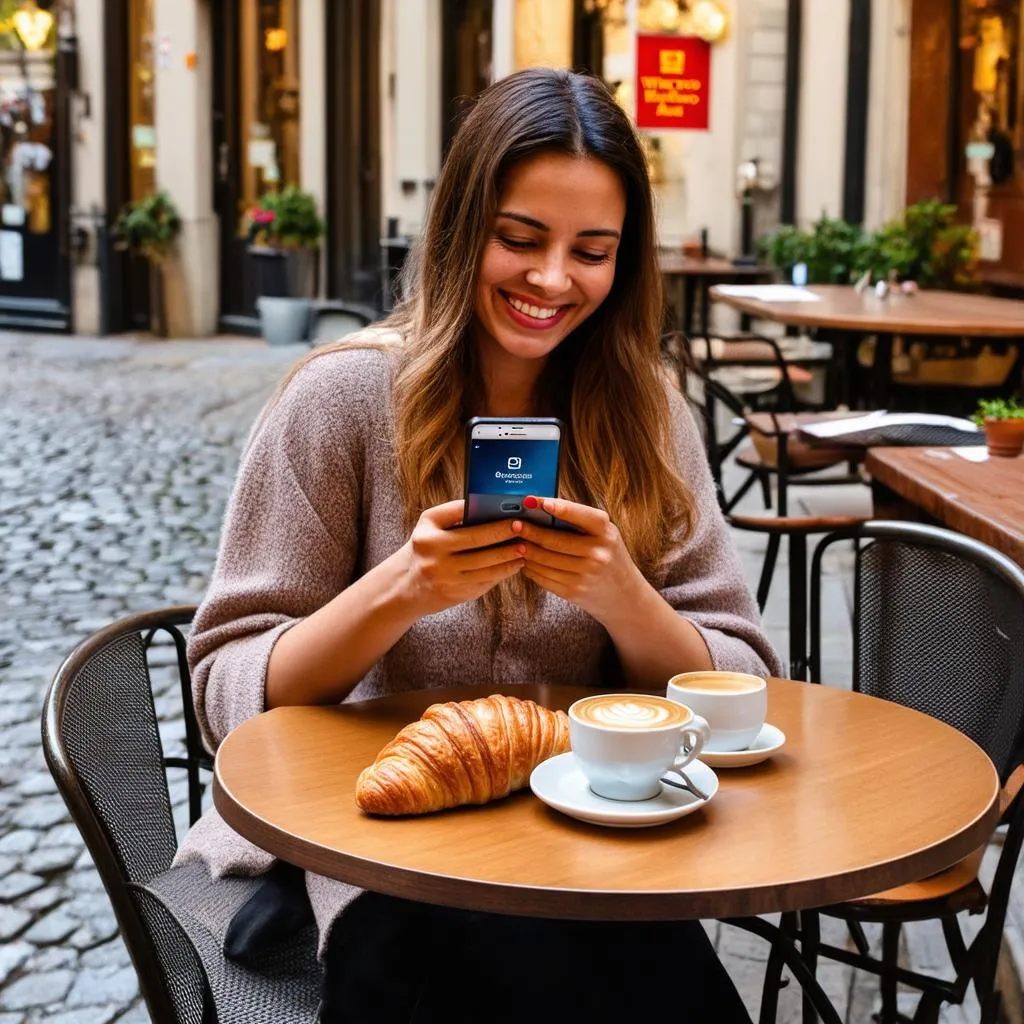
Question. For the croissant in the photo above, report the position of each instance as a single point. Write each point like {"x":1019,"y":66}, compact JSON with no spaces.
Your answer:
{"x":467,"y":752}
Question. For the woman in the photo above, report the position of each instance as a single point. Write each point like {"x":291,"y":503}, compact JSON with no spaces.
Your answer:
{"x":536,"y":292}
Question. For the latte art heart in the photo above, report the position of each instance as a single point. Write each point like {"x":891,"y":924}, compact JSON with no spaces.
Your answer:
{"x":623,"y":711}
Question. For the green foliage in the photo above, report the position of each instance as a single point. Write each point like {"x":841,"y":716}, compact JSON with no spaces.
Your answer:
{"x":149,"y":227}
{"x":998,"y":409}
{"x":925,"y":244}
{"x":831,"y":249}
{"x":284,"y":220}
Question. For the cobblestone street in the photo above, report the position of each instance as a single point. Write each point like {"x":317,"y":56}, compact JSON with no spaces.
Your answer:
{"x":117,"y":463}
{"x":117,"y":460}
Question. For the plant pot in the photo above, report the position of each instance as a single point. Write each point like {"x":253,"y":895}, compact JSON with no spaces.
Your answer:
{"x":157,"y":304}
{"x":285,"y":273}
{"x":283,"y":321}
{"x":1004,"y":437}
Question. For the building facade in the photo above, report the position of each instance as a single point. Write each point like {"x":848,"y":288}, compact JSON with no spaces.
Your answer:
{"x":217,"y":101}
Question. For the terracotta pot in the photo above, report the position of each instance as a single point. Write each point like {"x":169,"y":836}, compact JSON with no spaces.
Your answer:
{"x":1004,"y":437}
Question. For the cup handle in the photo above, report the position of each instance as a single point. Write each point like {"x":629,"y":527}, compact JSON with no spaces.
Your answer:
{"x":695,"y":738}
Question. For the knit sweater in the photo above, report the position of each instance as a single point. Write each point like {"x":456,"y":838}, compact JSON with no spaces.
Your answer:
{"x":317,"y":503}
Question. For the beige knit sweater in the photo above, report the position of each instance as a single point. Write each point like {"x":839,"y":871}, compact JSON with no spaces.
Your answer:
{"x":316,"y":504}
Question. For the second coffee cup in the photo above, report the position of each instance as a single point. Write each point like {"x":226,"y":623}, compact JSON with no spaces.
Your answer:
{"x":734,"y":704}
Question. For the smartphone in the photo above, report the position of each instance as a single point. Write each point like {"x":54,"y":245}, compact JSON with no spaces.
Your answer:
{"x":507,"y":460}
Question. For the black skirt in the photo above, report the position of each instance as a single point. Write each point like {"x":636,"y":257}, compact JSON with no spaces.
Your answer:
{"x":390,"y":961}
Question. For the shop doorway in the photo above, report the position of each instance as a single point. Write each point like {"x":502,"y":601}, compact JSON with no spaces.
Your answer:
{"x":255,"y":133}
{"x":129,"y":42}
{"x":35,"y":276}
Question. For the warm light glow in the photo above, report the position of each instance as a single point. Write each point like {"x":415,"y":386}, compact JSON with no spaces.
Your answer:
{"x":709,"y":20}
{"x":275,"y":39}
{"x":32,"y":25}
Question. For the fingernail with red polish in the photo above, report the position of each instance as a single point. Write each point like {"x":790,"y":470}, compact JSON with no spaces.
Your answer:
{"x":530,"y":502}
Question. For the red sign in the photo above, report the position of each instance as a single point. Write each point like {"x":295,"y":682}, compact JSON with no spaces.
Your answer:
{"x":673,"y":82}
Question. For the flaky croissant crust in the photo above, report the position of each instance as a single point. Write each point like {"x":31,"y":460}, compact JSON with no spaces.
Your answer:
{"x":465,"y":752}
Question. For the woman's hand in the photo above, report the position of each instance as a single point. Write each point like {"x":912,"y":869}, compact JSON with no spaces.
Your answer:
{"x":444,"y":566}
{"x":592,"y":569}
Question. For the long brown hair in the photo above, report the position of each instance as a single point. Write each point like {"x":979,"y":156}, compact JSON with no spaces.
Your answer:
{"x":604,"y":380}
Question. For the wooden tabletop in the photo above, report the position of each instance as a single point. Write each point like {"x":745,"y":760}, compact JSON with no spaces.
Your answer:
{"x":929,"y":312}
{"x":852,"y":805}
{"x":674,"y":262}
{"x":984,"y":500}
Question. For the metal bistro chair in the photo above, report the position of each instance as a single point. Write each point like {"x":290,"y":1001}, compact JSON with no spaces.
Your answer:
{"x":938,"y":625}
{"x":331,"y":320}
{"x":102,"y":744}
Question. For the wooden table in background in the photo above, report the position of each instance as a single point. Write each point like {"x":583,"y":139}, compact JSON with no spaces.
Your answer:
{"x":983,"y":500}
{"x":848,"y":316}
{"x":691,"y":278}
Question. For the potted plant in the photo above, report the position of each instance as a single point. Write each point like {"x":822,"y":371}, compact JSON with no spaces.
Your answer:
{"x":1003,"y":420}
{"x":925,"y":244}
{"x":149,"y":228}
{"x":831,"y":250}
{"x":284,"y":231}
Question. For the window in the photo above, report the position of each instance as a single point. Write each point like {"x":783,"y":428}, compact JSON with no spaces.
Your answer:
{"x":269,"y":64}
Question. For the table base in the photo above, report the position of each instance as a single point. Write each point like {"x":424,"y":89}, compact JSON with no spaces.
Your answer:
{"x":785,"y":953}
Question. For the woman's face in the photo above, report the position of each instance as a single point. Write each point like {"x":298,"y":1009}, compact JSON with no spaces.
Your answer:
{"x":550,"y":259}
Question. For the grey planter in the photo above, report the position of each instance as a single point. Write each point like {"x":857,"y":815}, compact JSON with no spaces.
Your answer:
{"x":283,"y":321}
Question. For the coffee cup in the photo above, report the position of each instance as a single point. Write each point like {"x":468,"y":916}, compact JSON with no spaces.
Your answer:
{"x":625,"y":742}
{"x":733,"y":704}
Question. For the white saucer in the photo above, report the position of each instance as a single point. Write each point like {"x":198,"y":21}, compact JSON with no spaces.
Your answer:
{"x":561,"y":785}
{"x":769,"y":740}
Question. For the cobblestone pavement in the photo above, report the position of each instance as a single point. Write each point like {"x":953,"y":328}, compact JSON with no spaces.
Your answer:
{"x":116,"y":460}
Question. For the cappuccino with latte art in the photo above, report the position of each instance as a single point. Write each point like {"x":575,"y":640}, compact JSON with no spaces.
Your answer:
{"x":624,"y":742}
{"x":617,"y":711}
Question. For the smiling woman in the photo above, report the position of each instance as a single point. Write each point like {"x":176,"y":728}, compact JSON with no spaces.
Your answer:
{"x":548,"y":266}
{"x":347,"y":571}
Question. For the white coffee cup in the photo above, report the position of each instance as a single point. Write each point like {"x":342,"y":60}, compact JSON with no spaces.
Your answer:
{"x":625,"y":742}
{"x":734,"y":705}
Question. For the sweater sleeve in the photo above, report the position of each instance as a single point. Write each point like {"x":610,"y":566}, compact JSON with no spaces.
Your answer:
{"x":704,"y":579}
{"x":290,"y":538}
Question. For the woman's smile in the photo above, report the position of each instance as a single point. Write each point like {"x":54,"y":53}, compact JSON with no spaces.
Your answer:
{"x":533,"y":314}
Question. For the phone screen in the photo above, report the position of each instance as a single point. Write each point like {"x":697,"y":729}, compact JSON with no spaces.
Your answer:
{"x":502,"y":472}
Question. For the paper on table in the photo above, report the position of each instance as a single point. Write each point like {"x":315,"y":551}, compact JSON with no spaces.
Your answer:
{"x":971,"y":454}
{"x":768,"y":292}
{"x":882,"y":418}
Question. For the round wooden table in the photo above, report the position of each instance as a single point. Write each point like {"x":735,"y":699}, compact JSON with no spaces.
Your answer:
{"x":849,"y":315}
{"x":865,"y":795}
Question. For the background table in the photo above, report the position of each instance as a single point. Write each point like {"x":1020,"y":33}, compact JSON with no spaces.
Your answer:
{"x":848,"y":316}
{"x":984,"y":500}
{"x":851,"y":806}
{"x":689,"y":280}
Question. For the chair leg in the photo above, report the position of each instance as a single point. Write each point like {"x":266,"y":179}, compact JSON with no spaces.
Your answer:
{"x":768,"y":570}
{"x":860,"y":940}
{"x":773,"y":978}
{"x":810,"y":939}
{"x":766,"y":489}
{"x":890,"y":960}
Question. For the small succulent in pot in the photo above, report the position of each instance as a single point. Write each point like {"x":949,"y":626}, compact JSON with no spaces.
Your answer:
{"x":1003,"y":421}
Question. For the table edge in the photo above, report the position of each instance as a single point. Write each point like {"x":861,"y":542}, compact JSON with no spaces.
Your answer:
{"x":787,"y":313}
{"x":573,"y":904}
{"x":942,"y":505}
